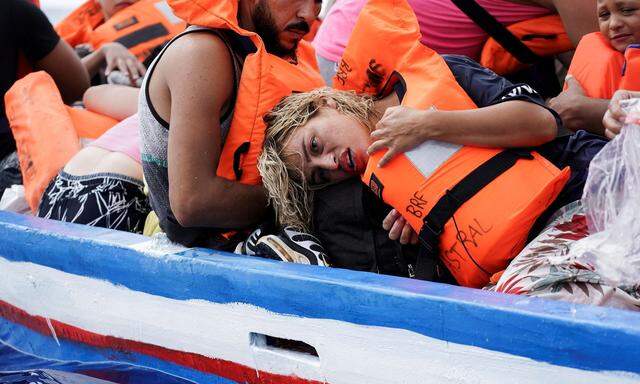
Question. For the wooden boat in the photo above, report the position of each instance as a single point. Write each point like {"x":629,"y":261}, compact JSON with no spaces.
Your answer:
{"x":126,"y":309}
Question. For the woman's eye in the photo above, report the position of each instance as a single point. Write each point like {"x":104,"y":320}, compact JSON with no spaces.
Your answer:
{"x":627,"y":11}
{"x":314,"y":145}
{"x":603,"y":15}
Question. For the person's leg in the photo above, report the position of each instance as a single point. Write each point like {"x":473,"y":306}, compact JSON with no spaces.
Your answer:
{"x":101,"y":200}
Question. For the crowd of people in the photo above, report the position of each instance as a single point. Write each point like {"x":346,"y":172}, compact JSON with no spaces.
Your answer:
{"x":390,"y":139}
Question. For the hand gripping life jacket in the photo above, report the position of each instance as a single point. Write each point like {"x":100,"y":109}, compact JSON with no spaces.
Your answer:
{"x":265,"y":80}
{"x":46,"y":131}
{"x":601,"y":70}
{"x":472,"y":207}
{"x":140,"y":27}
{"x":510,"y":49}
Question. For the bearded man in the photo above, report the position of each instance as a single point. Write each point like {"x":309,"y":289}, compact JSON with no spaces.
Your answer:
{"x":186,"y":105}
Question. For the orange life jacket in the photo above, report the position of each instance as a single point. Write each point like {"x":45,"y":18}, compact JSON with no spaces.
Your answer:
{"x":265,"y":80}
{"x":545,"y":36}
{"x":140,"y":27}
{"x":601,"y":70}
{"x":473,"y":207}
{"x":46,"y":131}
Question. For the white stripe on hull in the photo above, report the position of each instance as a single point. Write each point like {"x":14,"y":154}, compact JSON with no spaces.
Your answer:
{"x":348,"y":353}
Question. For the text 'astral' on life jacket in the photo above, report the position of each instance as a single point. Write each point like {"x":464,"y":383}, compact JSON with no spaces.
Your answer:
{"x":140,"y":27}
{"x":265,"y":80}
{"x":46,"y":131}
{"x":472,"y":207}
{"x":601,"y":70}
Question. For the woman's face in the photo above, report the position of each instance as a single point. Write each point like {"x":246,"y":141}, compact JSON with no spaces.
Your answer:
{"x":619,"y":21}
{"x":330,"y":147}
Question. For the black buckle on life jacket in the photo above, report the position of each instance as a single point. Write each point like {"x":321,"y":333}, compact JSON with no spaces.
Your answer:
{"x":237,"y":157}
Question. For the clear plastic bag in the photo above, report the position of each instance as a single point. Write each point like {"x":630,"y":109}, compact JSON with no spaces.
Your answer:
{"x":612,"y":202}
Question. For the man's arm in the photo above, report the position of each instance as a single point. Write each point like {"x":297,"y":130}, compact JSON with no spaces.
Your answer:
{"x":46,"y":51}
{"x":199,"y":74}
{"x":67,"y":71}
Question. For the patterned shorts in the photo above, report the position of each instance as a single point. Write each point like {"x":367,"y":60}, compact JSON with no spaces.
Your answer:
{"x":103,"y":200}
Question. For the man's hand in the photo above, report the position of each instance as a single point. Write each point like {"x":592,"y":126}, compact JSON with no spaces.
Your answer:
{"x":570,"y":104}
{"x":400,"y":129}
{"x":399,"y":229}
{"x":615,"y":116}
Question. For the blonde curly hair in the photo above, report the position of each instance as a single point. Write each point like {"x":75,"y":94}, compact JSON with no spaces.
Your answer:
{"x":288,"y":191}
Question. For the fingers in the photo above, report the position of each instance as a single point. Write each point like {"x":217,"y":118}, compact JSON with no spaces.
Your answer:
{"x":573,"y":85}
{"x":141,"y":68}
{"x":414,"y":238}
{"x":611,"y":124}
{"x":396,"y":230}
{"x":407,"y":234}
{"x":387,"y":157}
{"x":615,"y":109}
{"x":122,"y":65}
{"x":391,"y":218}
{"x":609,"y":134}
{"x":377,"y":145}
{"x":132,"y":70}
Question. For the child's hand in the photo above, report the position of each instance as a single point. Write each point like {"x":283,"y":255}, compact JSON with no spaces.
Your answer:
{"x":614,"y":117}
{"x":399,"y":228}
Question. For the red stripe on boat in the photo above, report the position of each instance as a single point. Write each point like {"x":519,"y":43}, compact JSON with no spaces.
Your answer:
{"x":227,"y":369}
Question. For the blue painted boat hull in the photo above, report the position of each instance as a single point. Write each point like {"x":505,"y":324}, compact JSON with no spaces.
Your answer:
{"x":78,"y":295}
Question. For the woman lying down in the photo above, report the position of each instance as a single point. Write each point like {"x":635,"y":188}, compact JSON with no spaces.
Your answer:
{"x":472,"y":209}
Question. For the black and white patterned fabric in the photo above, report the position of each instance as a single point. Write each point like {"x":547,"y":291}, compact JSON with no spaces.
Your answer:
{"x":102,"y":200}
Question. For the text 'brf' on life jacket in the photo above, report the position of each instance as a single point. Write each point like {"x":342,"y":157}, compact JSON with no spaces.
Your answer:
{"x":140,"y":27}
{"x":514,"y":47}
{"x":46,"y":131}
{"x":472,"y":207}
{"x":601,"y":70}
{"x":265,"y":80}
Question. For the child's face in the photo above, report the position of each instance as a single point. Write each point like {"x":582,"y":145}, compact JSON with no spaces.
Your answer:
{"x":620,"y":22}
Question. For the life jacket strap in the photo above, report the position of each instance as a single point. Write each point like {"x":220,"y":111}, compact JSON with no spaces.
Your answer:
{"x":434,"y":222}
{"x":497,"y":30}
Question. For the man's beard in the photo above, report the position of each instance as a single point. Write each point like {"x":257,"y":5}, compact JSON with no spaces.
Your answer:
{"x":266,"y":28}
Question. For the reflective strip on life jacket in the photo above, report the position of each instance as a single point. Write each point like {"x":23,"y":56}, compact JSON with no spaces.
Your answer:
{"x":265,"y":80}
{"x":544,"y":36}
{"x":599,"y":68}
{"x":473,"y":207}
{"x":46,"y":131}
